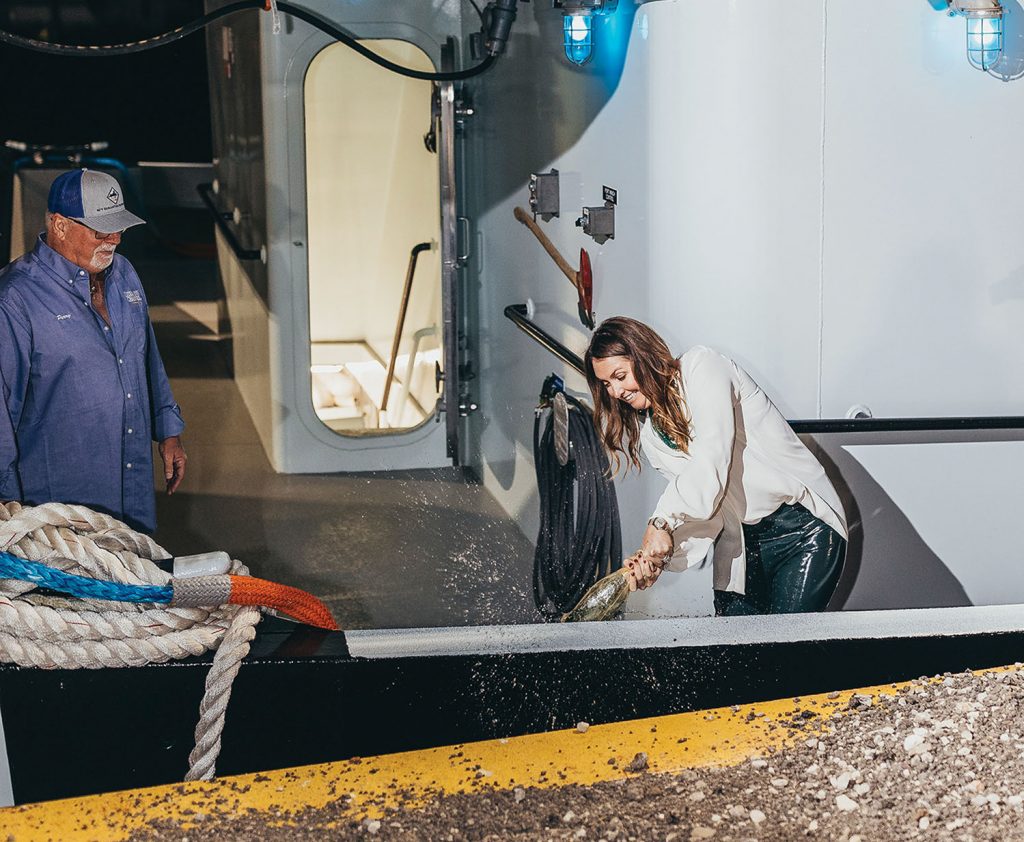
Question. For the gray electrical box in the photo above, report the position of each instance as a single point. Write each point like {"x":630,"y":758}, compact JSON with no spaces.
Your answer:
{"x":598,"y":222}
{"x":544,"y":194}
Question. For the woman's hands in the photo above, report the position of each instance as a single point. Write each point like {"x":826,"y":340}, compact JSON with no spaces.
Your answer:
{"x":644,"y":567}
{"x":657,"y":544}
{"x":641,"y":572}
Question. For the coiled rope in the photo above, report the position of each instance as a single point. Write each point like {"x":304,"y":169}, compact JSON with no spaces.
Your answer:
{"x":576,"y":545}
{"x":55,"y":632}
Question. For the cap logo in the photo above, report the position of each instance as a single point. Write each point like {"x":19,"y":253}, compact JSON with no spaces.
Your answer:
{"x":92,"y":198}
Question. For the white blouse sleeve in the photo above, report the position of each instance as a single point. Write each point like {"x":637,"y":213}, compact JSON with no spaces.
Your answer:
{"x":698,"y":479}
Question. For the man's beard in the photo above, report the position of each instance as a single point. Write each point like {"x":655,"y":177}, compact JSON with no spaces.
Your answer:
{"x":101,"y":259}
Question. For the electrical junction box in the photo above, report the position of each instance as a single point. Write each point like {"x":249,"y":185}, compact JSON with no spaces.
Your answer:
{"x":544,"y":194}
{"x":598,"y":222}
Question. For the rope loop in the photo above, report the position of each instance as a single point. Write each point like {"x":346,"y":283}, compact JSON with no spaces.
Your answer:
{"x":54,"y":632}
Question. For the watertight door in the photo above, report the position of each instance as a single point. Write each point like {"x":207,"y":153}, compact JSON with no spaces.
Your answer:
{"x":451,"y":398}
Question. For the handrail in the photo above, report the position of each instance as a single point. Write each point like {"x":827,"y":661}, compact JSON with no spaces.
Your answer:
{"x":402,"y":311}
{"x":517,"y":314}
{"x":907,"y":425}
{"x":205,"y":191}
{"x":404,"y":394}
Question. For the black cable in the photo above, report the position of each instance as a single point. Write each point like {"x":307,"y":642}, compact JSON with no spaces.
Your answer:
{"x":106,"y":50}
{"x":574,"y":549}
{"x":340,"y":35}
{"x":479,"y":12}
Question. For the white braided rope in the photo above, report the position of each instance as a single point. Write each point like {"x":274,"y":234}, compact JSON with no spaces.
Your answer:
{"x":58,"y":633}
{"x":212,"y":709}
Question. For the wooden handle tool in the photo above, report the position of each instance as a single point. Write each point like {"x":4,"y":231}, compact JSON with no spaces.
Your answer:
{"x":549,"y":247}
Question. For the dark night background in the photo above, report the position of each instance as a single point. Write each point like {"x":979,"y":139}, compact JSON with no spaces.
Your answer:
{"x":150,"y":106}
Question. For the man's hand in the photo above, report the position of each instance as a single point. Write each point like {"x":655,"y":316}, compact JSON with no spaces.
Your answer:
{"x":173,"y":455}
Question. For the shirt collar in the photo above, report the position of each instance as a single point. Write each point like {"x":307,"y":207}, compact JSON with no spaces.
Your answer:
{"x":59,"y":266}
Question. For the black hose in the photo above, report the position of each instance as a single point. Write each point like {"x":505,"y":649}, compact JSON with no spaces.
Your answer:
{"x":574,"y":549}
{"x":325,"y":26}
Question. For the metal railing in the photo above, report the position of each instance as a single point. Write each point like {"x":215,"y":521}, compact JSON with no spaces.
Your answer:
{"x":221,"y":218}
{"x":517,"y":314}
{"x":402,"y":311}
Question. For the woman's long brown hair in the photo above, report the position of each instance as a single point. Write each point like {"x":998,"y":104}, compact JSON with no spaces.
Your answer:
{"x":656,"y":372}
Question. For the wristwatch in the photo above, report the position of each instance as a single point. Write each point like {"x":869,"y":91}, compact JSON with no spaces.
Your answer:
{"x":659,"y":523}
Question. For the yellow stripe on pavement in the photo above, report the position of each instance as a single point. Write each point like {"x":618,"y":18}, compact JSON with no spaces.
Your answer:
{"x":369,"y":786}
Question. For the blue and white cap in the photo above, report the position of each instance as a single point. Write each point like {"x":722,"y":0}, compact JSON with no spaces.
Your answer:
{"x":92,"y":198}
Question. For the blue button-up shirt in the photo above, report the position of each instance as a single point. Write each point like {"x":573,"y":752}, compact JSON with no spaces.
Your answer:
{"x":83,"y":399}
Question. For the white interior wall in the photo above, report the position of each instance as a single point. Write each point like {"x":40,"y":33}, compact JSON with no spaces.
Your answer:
{"x":959,"y":498}
{"x":834,"y":175}
{"x":372,"y":195}
{"x":251,"y":343}
{"x":924,"y":285}
{"x":735,"y":188}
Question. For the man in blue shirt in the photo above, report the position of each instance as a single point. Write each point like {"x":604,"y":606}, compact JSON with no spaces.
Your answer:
{"x":84,"y":389}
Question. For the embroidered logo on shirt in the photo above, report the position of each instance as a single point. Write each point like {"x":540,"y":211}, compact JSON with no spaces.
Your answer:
{"x":62,"y":316}
{"x":133,"y":296}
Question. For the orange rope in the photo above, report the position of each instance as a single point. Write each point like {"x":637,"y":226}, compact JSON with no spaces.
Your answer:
{"x":297,"y":604}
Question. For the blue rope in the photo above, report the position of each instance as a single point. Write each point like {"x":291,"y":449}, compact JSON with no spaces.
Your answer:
{"x":12,"y":567}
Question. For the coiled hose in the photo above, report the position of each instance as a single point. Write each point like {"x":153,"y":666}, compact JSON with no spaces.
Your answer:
{"x":579,"y":539}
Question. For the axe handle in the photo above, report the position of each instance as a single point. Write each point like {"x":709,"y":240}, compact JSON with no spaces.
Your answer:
{"x":549,"y":247}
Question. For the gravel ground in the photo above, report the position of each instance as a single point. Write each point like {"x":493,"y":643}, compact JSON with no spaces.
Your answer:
{"x":942,"y":758}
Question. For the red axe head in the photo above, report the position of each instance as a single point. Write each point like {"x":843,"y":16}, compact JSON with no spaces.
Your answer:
{"x":585,"y":289}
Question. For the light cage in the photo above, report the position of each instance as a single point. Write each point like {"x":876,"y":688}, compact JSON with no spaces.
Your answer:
{"x":984,"y":41}
{"x":578,"y":38}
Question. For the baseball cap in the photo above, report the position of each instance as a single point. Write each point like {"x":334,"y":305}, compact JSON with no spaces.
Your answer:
{"x":92,"y":198}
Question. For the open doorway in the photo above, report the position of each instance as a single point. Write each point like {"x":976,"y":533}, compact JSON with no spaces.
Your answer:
{"x":373,"y":200}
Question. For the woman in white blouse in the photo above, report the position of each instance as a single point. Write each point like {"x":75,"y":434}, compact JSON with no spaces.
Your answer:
{"x":739,"y":478}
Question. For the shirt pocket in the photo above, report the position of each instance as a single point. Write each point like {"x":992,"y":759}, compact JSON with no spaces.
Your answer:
{"x":136,"y":326}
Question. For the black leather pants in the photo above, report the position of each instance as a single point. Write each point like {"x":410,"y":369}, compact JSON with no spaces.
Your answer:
{"x":793,"y":565}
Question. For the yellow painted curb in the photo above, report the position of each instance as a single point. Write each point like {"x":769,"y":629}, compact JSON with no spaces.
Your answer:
{"x":369,"y":786}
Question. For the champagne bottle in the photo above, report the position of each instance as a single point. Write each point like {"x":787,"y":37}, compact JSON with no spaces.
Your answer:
{"x":602,"y":599}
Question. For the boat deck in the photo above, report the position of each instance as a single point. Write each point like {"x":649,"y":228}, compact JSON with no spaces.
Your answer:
{"x":383,"y":550}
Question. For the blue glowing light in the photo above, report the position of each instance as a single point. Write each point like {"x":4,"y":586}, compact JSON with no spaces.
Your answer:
{"x":578,"y":38}
{"x":984,"y":41}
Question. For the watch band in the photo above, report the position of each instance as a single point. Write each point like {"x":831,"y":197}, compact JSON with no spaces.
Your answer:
{"x":659,"y":523}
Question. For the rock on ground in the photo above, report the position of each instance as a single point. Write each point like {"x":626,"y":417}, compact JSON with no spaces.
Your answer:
{"x":941,"y":759}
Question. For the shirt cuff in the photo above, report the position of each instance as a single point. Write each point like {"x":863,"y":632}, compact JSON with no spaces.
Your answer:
{"x":693,"y":540}
{"x":674,"y":521}
{"x":168,"y":423}
{"x":689,"y":553}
